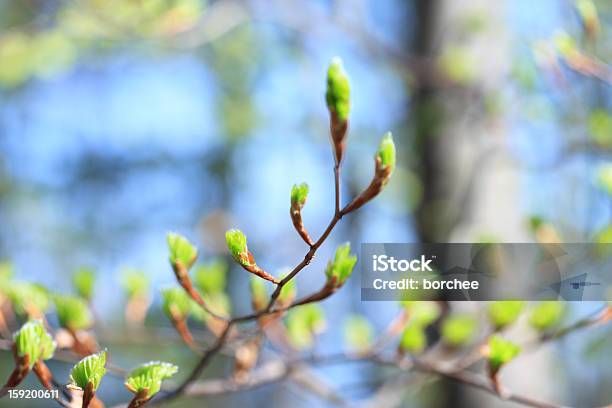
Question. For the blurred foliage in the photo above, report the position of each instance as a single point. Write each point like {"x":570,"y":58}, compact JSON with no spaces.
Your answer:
{"x":83,"y":281}
{"x":459,"y":329}
{"x":358,"y":333}
{"x":504,"y":312}
{"x":135,"y":282}
{"x":546,"y":315}
{"x":304,"y":323}
{"x":73,"y":312}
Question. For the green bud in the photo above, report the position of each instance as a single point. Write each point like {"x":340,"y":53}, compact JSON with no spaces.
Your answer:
{"x":83,"y":281}
{"x":182,"y":251}
{"x":413,"y":339}
{"x":33,"y":340}
{"x":135,"y":283}
{"x":237,"y":245}
{"x":358,"y":333}
{"x":546,"y":315}
{"x":501,"y":352}
{"x":211,"y":277}
{"x":299,"y":193}
{"x":73,"y":312}
{"x":386,"y":151}
{"x":148,"y":377}
{"x":505,"y":312}
{"x":342,"y":265}
{"x":89,"y":370}
{"x":338,"y":90}
{"x":459,"y":330}
{"x":176,"y":303}
{"x":303,"y":323}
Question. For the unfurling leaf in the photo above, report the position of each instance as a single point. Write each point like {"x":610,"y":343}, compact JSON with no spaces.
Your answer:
{"x":505,"y":312}
{"x":34,"y":341}
{"x":386,"y":152}
{"x":83,"y":281}
{"x":147,"y":378}
{"x":546,"y":315}
{"x":338,"y":92}
{"x":341,"y":267}
{"x":73,"y":312}
{"x":299,"y":194}
{"x":384,"y":165}
{"x":413,"y":339}
{"x":176,"y":303}
{"x":288,"y":292}
{"x":91,"y":369}
{"x":237,"y":245}
{"x":304,"y":323}
{"x":339,"y":105}
{"x":358,"y":333}
{"x":459,"y":330}
{"x":500,"y":351}
{"x":183,"y":253}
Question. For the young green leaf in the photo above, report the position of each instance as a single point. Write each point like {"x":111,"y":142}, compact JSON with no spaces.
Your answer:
{"x":413,"y":339}
{"x":73,"y":312}
{"x":341,"y":267}
{"x":358,"y":333}
{"x":176,"y":303}
{"x":500,"y":352}
{"x":83,"y":281}
{"x":304,"y":323}
{"x":299,"y":194}
{"x":338,"y":90}
{"x":211,"y":277}
{"x":91,"y":369}
{"x":183,"y":253}
{"x":386,"y":152}
{"x":148,"y":377}
{"x":546,"y":315}
{"x":237,"y":245}
{"x":459,"y":330}
{"x":33,"y":340}
{"x":505,"y":312}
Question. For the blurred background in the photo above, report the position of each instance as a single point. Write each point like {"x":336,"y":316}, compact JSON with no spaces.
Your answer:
{"x":122,"y":120}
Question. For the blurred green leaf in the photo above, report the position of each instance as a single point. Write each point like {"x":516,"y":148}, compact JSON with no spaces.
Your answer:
{"x":135,"y":282}
{"x":73,"y":312}
{"x":413,"y":339}
{"x":459,"y":330}
{"x":422,"y":313}
{"x":600,"y":127}
{"x":83,"y":281}
{"x":504,"y":312}
{"x":176,"y":303}
{"x":211,"y":277}
{"x":27,"y":298}
{"x":358,"y":333}
{"x":500,"y":352}
{"x":304,"y":323}
{"x":546,"y":315}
